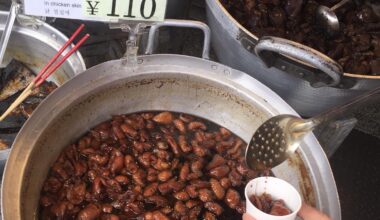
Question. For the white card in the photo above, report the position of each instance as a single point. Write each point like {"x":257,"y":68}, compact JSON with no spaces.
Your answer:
{"x":54,"y":8}
{"x":135,"y":10}
{"x":98,"y":10}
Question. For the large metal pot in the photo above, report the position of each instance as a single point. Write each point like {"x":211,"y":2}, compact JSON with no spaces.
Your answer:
{"x":156,"y":82}
{"x":34,"y":46}
{"x":307,"y":89}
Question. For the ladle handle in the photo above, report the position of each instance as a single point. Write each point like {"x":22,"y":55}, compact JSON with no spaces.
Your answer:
{"x":348,"y":108}
{"x":338,"y":5}
{"x":8,"y":29}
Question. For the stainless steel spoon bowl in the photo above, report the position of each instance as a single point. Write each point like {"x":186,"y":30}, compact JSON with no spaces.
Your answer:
{"x":279,"y":137}
{"x":327,"y":19}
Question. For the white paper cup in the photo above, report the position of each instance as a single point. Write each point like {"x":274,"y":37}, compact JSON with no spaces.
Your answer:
{"x":278,"y":189}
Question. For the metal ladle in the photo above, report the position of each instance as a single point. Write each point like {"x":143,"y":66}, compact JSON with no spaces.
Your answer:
{"x":14,"y":10}
{"x":279,"y":137}
{"x":327,"y":19}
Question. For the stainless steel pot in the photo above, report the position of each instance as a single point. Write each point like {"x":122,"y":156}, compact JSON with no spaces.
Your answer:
{"x":156,"y":82}
{"x":308,"y":80}
{"x":34,"y":46}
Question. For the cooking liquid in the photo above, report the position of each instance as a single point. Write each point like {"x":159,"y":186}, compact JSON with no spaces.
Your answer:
{"x":228,"y":213}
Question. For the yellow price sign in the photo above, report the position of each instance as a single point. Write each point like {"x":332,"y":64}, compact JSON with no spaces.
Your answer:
{"x":114,"y":10}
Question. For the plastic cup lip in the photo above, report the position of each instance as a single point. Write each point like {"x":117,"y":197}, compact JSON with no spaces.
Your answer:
{"x":282,"y":182}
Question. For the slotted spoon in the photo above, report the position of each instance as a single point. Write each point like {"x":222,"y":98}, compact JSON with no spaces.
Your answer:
{"x":327,"y":19}
{"x":279,"y":137}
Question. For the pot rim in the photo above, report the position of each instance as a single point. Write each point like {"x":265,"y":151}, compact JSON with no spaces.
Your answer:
{"x":249,"y":33}
{"x":238,"y":79}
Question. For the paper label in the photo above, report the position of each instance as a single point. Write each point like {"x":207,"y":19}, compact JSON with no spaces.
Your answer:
{"x":136,"y":10}
{"x":54,"y":8}
{"x":98,"y":10}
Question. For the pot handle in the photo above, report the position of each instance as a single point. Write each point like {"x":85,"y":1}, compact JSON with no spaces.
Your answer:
{"x":185,"y":24}
{"x":269,"y":45}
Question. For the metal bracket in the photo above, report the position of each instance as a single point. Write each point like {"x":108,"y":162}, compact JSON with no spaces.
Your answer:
{"x":135,"y":31}
{"x":28,"y":20}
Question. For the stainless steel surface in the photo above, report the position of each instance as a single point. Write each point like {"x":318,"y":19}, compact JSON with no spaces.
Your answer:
{"x":269,"y":145}
{"x":327,"y":18}
{"x":182,"y":24}
{"x":302,"y":53}
{"x":234,"y":46}
{"x":279,"y":137}
{"x":15,"y":7}
{"x":169,"y":82}
{"x":4,"y":154}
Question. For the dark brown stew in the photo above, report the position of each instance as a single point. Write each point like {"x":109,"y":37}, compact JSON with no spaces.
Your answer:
{"x":356,"y":48}
{"x":152,"y":165}
{"x":267,"y":204}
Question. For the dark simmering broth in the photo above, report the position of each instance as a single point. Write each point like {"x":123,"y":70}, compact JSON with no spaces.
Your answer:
{"x":152,"y":165}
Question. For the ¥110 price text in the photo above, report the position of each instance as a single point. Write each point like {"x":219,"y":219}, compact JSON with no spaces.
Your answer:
{"x":148,"y":10}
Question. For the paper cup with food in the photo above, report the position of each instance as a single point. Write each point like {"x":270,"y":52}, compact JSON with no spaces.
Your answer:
{"x":270,"y":198}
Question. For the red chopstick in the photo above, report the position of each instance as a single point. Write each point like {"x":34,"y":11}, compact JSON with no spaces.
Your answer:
{"x":59,"y":53}
{"x":47,"y":70}
{"x":46,"y":74}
